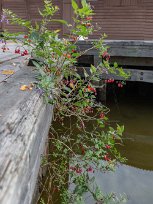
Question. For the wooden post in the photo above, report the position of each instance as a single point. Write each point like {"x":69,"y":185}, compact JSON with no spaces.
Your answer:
{"x":68,"y":14}
{"x":101,"y":90}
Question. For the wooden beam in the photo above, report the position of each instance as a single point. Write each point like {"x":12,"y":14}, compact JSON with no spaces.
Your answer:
{"x":123,"y":48}
{"x":24,"y":124}
{"x":136,"y":75}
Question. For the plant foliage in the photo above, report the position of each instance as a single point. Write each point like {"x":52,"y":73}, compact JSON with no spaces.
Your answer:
{"x":77,"y":152}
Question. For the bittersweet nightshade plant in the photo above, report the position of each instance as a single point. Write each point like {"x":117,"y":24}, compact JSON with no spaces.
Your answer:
{"x":72,"y":160}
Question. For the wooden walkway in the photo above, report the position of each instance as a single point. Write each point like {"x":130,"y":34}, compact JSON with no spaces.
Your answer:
{"x":24,"y":126}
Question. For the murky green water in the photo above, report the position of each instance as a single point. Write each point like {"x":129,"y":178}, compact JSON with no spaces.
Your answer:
{"x":134,"y":109}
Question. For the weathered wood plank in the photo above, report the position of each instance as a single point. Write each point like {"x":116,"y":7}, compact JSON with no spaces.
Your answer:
{"x":136,"y":75}
{"x":14,"y":65}
{"x":125,"y":48}
{"x":24,"y":125}
{"x":127,"y":52}
{"x":8,"y":54}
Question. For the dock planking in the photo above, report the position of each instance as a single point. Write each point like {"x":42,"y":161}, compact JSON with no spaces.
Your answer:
{"x":24,"y":124}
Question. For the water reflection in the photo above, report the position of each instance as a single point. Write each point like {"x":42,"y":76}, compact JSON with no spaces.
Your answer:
{"x":135,"y":178}
{"x":137,"y":184}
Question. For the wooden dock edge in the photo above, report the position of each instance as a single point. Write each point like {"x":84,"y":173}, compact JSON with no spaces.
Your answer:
{"x":24,"y":125}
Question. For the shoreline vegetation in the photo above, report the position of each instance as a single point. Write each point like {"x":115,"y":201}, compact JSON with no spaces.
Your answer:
{"x":72,"y":96}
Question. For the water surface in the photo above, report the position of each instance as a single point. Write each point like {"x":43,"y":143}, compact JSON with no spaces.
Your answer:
{"x":133,"y":108}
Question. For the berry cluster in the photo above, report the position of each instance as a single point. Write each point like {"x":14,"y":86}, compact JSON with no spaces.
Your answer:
{"x":91,"y":89}
{"x":4,"y":48}
{"x":88,"y":109}
{"x":105,"y":56}
{"x":18,"y":51}
{"x":120,"y":84}
{"x":109,"y":81}
{"x":79,"y":170}
{"x":87,"y":21}
{"x":67,"y":56}
{"x":76,"y":169}
{"x":106,"y":157}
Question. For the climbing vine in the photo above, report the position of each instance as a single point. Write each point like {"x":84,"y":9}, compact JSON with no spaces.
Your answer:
{"x":76,"y":152}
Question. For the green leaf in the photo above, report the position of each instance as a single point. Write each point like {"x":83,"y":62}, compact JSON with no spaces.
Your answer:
{"x":84,"y":3}
{"x":40,"y":12}
{"x":34,"y":35}
{"x":120,"y":129}
{"x":37,"y":65}
{"x":85,"y":73}
{"x":74,"y":5}
{"x":115,"y":65}
{"x":59,"y":21}
{"x":57,"y":51}
{"x":67,"y":89}
{"x":92,"y":69}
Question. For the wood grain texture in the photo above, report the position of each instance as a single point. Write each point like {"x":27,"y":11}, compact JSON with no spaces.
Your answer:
{"x":125,"y":48}
{"x":119,"y":19}
{"x":24,"y":124}
{"x":127,"y":52}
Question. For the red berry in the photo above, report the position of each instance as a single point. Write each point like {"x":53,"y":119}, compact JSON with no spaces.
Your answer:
{"x":88,"y":24}
{"x":108,"y":146}
{"x":89,"y":18}
{"x":106,"y":56}
{"x":102,"y":115}
{"x":74,"y":38}
{"x":17,"y":51}
{"x":82,"y":149}
{"x":74,"y":51}
{"x":72,"y":168}
{"x":90,"y":169}
{"x":25,"y":52}
{"x":25,"y":36}
{"x":120,"y":85}
{"x":79,"y":170}
{"x":106,"y":158}
{"x":91,"y":89}
{"x":68,"y":56}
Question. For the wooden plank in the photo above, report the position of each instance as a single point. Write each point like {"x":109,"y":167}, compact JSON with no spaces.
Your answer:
{"x":130,"y":50}
{"x":10,"y":61}
{"x":24,"y":126}
{"x":125,"y":48}
{"x":136,"y":75}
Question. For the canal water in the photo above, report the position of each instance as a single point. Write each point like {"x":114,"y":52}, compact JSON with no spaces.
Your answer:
{"x":133,"y":107}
